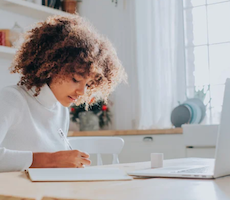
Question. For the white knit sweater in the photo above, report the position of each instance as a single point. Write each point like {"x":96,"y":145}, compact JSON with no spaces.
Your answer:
{"x":29,"y":124}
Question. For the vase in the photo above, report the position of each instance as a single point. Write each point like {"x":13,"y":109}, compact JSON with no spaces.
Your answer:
{"x":69,"y":6}
{"x":15,"y":34}
{"x":88,"y":121}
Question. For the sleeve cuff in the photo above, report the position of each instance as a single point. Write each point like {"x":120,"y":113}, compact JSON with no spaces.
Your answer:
{"x":11,"y":160}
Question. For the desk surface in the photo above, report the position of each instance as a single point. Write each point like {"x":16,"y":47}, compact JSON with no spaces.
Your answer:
{"x":17,"y":184}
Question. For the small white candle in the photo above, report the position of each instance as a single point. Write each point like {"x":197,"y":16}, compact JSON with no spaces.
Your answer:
{"x":157,"y":160}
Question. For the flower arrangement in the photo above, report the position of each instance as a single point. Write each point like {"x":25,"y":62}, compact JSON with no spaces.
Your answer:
{"x":100,"y":109}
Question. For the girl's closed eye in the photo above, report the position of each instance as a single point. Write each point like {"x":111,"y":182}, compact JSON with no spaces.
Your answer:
{"x":75,"y":81}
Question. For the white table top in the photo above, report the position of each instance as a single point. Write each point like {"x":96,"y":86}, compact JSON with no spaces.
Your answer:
{"x":18,"y":184}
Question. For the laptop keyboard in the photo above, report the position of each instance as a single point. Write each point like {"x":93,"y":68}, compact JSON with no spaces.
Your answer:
{"x":195,"y":170}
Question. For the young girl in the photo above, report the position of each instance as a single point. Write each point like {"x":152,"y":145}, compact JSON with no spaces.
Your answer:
{"x":62,"y":60}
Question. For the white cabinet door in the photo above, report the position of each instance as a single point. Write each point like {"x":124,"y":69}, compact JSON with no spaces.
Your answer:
{"x":201,"y":152}
{"x":138,"y":148}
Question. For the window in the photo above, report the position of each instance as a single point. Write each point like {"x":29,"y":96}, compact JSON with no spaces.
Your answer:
{"x":207,"y":51}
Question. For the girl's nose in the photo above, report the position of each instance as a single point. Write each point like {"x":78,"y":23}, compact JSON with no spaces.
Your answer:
{"x":81,"y":91}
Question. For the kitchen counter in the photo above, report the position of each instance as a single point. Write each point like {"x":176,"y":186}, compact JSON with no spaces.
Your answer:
{"x":125,"y":132}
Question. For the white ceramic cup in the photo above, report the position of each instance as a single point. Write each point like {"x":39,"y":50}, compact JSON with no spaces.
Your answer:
{"x":157,"y":160}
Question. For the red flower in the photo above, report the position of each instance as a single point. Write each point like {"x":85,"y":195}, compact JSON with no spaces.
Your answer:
{"x":104,"y":108}
{"x":72,"y":109}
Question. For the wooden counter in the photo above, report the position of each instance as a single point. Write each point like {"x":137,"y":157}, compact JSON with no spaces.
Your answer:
{"x":125,"y":132}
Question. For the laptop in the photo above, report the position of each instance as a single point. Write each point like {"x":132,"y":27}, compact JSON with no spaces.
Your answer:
{"x":199,"y":167}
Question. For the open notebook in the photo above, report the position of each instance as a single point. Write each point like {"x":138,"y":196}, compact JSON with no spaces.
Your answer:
{"x":77,"y":174}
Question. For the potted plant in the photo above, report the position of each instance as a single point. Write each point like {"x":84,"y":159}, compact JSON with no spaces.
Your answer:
{"x":98,"y":115}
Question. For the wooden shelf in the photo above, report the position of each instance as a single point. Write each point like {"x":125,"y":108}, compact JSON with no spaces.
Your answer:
{"x":125,"y":132}
{"x":30,"y":9}
{"x":7,"y":52}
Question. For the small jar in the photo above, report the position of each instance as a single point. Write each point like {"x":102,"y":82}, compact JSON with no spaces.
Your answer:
{"x":69,"y":6}
{"x":15,"y":34}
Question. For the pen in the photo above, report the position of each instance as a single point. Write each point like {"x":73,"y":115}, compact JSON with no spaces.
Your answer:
{"x":65,"y":139}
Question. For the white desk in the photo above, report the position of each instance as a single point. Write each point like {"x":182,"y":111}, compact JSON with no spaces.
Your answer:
{"x":17,"y":184}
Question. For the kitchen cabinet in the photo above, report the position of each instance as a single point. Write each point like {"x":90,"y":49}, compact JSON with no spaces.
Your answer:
{"x":200,"y":152}
{"x":200,"y":140}
{"x":138,"y":148}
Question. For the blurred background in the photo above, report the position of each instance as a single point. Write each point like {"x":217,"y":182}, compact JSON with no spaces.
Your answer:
{"x":175,"y":52}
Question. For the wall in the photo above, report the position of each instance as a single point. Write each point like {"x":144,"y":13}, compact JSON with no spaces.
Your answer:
{"x":25,"y":22}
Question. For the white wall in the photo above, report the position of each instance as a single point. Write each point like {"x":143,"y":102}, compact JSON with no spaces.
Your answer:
{"x":7,"y":20}
{"x":116,"y":22}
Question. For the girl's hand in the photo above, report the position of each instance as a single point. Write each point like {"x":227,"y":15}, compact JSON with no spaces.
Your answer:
{"x":60,"y":159}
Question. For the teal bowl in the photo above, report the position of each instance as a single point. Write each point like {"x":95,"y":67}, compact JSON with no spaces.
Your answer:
{"x":181,"y":115}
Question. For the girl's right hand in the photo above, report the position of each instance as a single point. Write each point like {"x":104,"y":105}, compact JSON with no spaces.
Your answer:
{"x":60,"y":159}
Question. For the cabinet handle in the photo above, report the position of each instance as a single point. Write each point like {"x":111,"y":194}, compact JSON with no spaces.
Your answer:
{"x":147,"y":139}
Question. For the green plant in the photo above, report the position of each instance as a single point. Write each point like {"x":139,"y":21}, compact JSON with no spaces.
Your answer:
{"x":201,"y":94}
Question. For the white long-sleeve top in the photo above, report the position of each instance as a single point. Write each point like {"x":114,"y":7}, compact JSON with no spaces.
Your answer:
{"x":29,"y":124}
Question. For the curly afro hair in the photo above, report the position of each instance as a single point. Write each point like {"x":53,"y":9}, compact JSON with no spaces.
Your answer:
{"x":64,"y":46}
